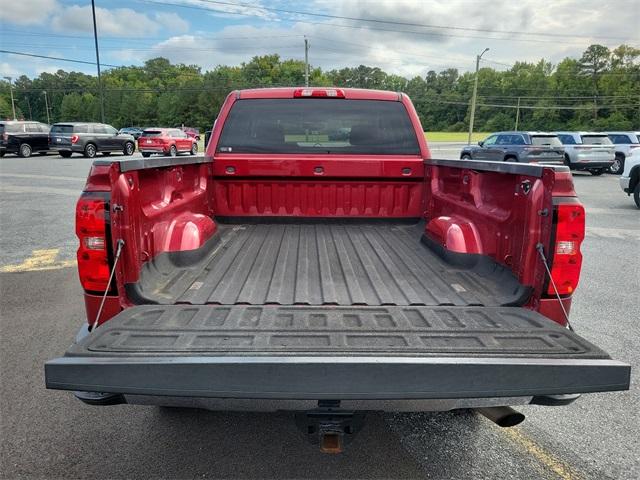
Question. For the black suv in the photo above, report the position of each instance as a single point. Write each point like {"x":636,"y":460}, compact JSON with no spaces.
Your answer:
{"x":89,"y":139}
{"x":24,"y":138}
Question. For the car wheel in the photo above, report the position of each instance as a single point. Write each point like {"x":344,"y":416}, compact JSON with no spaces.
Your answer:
{"x":194,"y":149}
{"x":129,"y":148}
{"x":636,"y":194}
{"x":617,"y":167}
{"x":510,"y":158}
{"x":466,"y":156}
{"x":597,"y":172}
{"x":90,"y":150}
{"x":25,"y":150}
{"x":2,"y":154}
{"x":173,"y":151}
{"x":65,"y":154}
{"x":146,"y":154}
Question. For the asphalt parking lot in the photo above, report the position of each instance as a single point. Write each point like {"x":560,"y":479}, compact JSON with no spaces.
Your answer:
{"x":49,"y":434}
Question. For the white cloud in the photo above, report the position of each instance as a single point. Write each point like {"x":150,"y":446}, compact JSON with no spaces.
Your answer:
{"x":9,"y":70}
{"x":117,"y":22}
{"x":28,"y":12}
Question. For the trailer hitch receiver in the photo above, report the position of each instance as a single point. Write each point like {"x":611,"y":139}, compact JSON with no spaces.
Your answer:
{"x":329,"y":427}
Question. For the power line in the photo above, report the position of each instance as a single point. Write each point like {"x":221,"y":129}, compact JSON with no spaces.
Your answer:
{"x":56,"y":58}
{"x":358,"y":27}
{"x":399,"y":23}
{"x":88,"y":37}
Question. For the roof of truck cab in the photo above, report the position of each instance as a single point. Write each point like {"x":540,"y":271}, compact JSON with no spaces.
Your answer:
{"x":349,"y":93}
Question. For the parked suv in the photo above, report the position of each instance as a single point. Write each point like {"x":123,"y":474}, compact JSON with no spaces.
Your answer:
{"x":89,"y":139}
{"x":166,"y":141}
{"x":625,"y":143}
{"x":630,"y":178}
{"x":135,"y":131}
{"x":24,"y":138}
{"x":589,"y":151}
{"x":522,"y":147}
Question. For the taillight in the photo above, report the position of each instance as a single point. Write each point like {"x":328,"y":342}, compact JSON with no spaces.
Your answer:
{"x":74,"y":139}
{"x":566,"y":258}
{"x":92,"y":231}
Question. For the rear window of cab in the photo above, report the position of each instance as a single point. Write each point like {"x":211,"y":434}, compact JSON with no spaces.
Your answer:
{"x":318,"y":125}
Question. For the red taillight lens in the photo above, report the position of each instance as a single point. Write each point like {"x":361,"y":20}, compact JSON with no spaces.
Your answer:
{"x":318,"y":92}
{"x":567,"y":258}
{"x":74,"y":139}
{"x":91,"y":229}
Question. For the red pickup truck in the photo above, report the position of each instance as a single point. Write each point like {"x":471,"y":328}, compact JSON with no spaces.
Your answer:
{"x":316,"y":259}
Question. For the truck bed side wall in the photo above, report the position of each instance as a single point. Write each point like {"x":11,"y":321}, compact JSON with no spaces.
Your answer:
{"x":160,"y":210}
{"x":501,"y":214}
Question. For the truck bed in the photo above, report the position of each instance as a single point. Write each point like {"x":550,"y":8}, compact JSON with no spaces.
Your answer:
{"x":324,"y":263}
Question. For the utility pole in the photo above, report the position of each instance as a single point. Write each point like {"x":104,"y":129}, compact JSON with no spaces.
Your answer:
{"x":46,"y":106}
{"x":475,"y":94}
{"x":95,"y":37}
{"x":306,"y":62}
{"x":517,"y":114}
{"x":13,"y":104}
{"x":26,"y":97}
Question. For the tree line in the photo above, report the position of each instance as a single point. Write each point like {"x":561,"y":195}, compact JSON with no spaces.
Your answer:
{"x":598,"y":91}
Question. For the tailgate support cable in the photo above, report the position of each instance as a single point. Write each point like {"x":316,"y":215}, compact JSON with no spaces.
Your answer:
{"x":120,"y":244}
{"x":545,"y":262}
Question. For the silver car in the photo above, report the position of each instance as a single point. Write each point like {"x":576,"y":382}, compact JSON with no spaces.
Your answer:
{"x":589,"y":151}
{"x":625,"y":143}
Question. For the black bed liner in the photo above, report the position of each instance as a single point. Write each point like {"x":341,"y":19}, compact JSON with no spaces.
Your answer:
{"x":323,"y":263}
{"x":297,"y":352}
{"x":330,"y":330}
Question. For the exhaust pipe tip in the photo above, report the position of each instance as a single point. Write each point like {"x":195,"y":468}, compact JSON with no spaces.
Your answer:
{"x":502,"y":416}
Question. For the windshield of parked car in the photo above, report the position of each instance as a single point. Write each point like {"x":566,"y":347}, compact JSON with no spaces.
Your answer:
{"x":596,"y":140}
{"x":545,"y":141}
{"x":567,"y":139}
{"x":318,"y":126}
{"x":62,"y":129}
{"x":11,"y":128}
{"x":152,"y":133}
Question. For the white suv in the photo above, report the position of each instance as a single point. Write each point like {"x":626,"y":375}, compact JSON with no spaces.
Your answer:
{"x":626,"y":143}
{"x":630,"y":179}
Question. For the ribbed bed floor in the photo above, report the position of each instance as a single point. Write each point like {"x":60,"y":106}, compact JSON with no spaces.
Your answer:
{"x":322,"y":264}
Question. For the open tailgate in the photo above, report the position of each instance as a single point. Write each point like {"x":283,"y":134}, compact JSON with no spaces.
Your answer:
{"x":331,"y":352}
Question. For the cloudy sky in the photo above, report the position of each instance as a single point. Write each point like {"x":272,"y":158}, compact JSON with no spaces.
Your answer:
{"x":408,"y":37}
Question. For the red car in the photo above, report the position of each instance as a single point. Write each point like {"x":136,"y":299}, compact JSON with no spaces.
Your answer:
{"x":166,"y":141}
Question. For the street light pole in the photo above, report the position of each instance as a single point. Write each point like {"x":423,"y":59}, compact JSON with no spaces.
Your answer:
{"x":95,"y":37}
{"x":46,"y":105}
{"x":475,"y":94}
{"x":13,"y":104}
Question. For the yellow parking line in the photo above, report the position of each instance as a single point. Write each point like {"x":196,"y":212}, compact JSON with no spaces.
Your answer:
{"x":39,"y":260}
{"x":547,"y":459}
